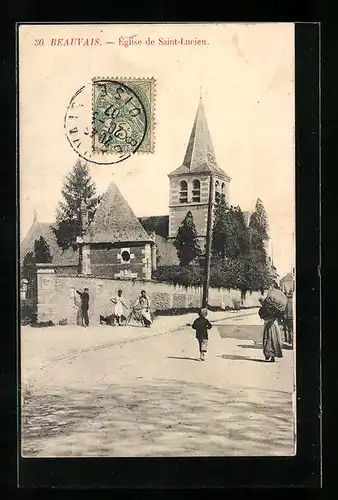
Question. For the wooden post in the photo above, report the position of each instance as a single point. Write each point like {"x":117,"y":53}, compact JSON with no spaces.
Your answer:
{"x":83,"y":227}
{"x":80,"y":261}
{"x":208,"y":245}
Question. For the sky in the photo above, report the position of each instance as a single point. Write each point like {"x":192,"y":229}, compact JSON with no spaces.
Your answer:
{"x":245,"y":74}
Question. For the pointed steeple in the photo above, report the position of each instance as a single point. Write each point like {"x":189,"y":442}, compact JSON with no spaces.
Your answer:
{"x":200,"y":149}
{"x":200,"y":155}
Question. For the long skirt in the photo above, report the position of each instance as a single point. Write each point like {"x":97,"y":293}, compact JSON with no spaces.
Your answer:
{"x":146,"y":317}
{"x":272,"y":344}
{"x":118,"y":309}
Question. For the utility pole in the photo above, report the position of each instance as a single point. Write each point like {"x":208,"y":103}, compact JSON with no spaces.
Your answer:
{"x":79,"y":239}
{"x":208,"y":245}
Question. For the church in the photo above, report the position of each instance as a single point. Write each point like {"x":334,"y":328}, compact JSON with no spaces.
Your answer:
{"x":118,"y":244}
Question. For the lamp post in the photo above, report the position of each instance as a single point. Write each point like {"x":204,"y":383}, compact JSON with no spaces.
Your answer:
{"x":208,"y":245}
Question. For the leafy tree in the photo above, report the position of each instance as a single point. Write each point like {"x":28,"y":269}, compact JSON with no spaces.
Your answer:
{"x":229,"y":274}
{"x":177,"y":275}
{"x":42,"y":251}
{"x":41,"y":254}
{"x":257,"y":275}
{"x":27,"y":265}
{"x":229,"y":234}
{"x":186,"y":242}
{"x":259,"y":228}
{"x":78,"y":187}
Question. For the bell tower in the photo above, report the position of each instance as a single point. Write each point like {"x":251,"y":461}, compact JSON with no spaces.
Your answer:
{"x":190,"y":183}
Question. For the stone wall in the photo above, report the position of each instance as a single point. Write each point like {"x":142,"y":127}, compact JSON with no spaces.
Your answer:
{"x":56,"y":295}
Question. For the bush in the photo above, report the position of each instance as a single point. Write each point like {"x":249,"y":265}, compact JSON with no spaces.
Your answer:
{"x":26,"y":321}
{"x":63,"y":322}
{"x":26,"y":311}
{"x":186,"y":276}
{"x":42,"y":324}
{"x":237,"y":304}
{"x":237,"y":274}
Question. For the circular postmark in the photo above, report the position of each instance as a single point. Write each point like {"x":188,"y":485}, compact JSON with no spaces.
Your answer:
{"x":105,"y":122}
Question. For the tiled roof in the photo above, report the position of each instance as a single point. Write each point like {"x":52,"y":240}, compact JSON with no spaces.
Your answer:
{"x":166,"y":251}
{"x":114,"y":221}
{"x":157,"y":223}
{"x":68,"y":257}
{"x":200,"y":155}
{"x":287,"y":277}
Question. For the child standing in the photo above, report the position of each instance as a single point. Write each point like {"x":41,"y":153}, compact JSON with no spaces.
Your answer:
{"x":202,"y":325}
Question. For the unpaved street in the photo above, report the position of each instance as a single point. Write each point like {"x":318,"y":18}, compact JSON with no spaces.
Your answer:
{"x":110,"y":391}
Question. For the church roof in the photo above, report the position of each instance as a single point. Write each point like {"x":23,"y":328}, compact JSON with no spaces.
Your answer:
{"x":157,"y":223}
{"x":200,"y":155}
{"x":68,"y":257}
{"x":167,"y":253}
{"x":287,"y":277}
{"x":114,"y":221}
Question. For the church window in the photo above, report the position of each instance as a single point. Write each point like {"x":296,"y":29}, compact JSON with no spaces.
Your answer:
{"x":183,"y":192}
{"x":217,"y":192}
{"x":125,"y":256}
{"x":223,"y":191}
{"x":196,"y":191}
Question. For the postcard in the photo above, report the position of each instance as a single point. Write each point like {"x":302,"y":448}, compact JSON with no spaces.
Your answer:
{"x":157,"y":240}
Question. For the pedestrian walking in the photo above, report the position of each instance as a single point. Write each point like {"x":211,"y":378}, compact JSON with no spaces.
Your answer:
{"x":271,"y":312}
{"x":202,"y":325}
{"x":119,"y":304}
{"x":84,"y":306}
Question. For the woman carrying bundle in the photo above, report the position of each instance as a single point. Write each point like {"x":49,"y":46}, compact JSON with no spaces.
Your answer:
{"x":271,"y":312}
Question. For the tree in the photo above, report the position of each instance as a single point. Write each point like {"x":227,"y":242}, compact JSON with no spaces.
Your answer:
{"x":27,"y":265}
{"x":41,"y":254}
{"x":227,"y":274}
{"x":186,"y":242}
{"x":42,"y":251}
{"x":259,"y":228}
{"x":78,"y":187}
{"x":229,"y":233}
{"x":256,"y":272}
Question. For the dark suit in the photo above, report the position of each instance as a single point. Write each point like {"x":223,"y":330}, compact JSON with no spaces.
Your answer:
{"x":84,"y":306}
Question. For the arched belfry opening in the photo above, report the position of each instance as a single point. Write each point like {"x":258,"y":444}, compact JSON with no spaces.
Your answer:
{"x":190,"y":182}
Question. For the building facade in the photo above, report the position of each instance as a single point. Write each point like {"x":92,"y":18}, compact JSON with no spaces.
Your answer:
{"x":115,"y":244}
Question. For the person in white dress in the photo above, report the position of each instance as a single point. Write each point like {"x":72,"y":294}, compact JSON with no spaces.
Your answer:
{"x":119,"y":304}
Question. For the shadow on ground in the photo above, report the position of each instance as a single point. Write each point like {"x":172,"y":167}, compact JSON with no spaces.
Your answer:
{"x":257,"y":345}
{"x":240,"y":358}
{"x":157,"y":418}
{"x":244,"y":332}
{"x":183,"y":357}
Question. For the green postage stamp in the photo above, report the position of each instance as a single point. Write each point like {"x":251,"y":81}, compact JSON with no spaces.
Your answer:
{"x":123,"y":115}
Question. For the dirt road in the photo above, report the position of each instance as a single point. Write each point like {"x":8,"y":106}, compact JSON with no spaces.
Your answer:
{"x":112,"y":392}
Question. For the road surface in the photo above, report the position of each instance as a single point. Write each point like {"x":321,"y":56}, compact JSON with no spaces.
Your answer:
{"x":127,"y":391}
